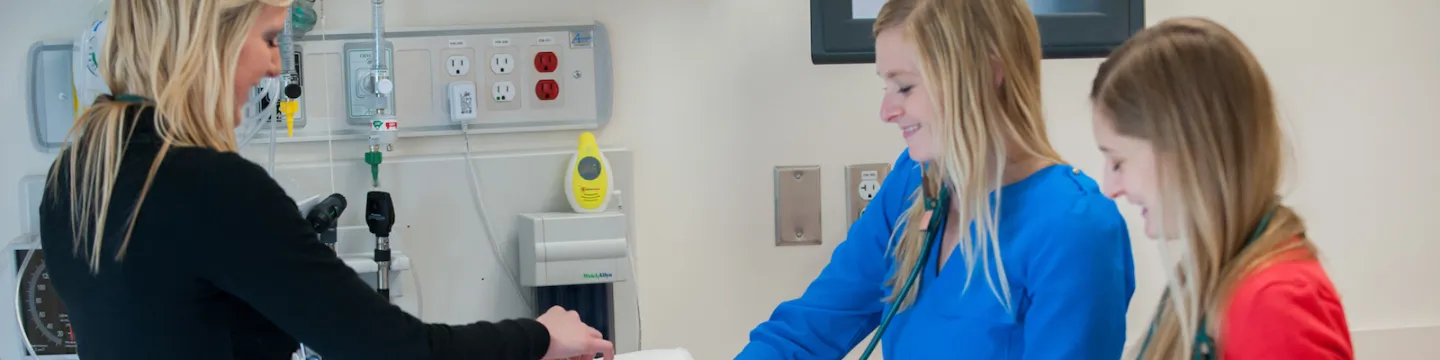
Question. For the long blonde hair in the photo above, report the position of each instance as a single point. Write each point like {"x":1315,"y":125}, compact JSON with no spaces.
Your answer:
{"x":1194,"y":91}
{"x":961,"y":45}
{"x":180,"y":56}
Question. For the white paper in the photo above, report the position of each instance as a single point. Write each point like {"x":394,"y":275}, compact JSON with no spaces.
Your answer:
{"x":657,"y":354}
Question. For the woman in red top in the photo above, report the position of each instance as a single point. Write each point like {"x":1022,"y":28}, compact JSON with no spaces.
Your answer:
{"x":1187,"y":122}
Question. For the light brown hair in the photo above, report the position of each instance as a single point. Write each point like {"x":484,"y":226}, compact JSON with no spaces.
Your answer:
{"x":963,"y":46}
{"x":1194,"y":91}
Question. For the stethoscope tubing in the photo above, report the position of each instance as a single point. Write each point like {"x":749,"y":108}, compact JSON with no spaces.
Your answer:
{"x":939,"y":210}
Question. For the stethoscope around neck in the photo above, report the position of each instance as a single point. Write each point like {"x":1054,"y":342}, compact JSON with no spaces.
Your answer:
{"x":1204,"y":346}
{"x":937,"y":211}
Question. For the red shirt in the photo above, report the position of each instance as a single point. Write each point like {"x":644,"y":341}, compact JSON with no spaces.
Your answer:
{"x":1288,"y":310}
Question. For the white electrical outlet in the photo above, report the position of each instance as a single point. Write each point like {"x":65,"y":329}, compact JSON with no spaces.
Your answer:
{"x":462,"y":101}
{"x":503,"y":91}
{"x":863,"y":182}
{"x":869,"y":184}
{"x":457,"y":65}
{"x":502,"y":63}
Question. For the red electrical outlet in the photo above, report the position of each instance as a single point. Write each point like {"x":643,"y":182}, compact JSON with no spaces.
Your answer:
{"x":546,"y":62}
{"x":547,"y":90}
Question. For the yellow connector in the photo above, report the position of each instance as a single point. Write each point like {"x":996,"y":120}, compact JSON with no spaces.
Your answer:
{"x":289,"y":107}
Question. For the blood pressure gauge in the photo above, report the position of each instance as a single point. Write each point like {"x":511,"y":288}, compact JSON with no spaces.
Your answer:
{"x":43,"y":317}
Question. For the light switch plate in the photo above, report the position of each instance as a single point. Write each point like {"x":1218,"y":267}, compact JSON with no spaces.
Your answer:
{"x":862,"y":182}
{"x":797,"y":205}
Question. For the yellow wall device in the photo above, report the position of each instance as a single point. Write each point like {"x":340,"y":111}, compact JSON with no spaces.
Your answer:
{"x":587,"y":180}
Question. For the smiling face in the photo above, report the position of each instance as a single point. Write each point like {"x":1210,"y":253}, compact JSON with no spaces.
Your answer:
{"x":907,"y":99}
{"x":1130,"y":172}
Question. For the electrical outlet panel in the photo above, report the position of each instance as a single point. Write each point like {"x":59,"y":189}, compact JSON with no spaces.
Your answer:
{"x":502,"y":76}
{"x":862,"y":183}
{"x":546,"y":75}
{"x":361,"y":99}
{"x":549,"y":77}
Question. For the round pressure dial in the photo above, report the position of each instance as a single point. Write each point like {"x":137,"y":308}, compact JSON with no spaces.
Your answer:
{"x":43,"y":315}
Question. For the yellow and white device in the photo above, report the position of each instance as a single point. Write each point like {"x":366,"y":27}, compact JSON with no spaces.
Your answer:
{"x":587,"y":180}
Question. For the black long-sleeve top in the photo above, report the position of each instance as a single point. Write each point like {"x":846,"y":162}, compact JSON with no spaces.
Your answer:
{"x":222,"y":265}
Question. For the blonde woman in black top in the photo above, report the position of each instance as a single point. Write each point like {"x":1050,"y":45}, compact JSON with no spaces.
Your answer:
{"x":164,"y":243}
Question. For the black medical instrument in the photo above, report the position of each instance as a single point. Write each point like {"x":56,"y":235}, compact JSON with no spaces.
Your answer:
{"x":938,"y":211}
{"x":380,"y":217}
{"x":1204,"y":346}
{"x":325,"y":218}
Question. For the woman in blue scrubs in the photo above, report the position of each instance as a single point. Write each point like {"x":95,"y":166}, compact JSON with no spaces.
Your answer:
{"x":1028,"y":259}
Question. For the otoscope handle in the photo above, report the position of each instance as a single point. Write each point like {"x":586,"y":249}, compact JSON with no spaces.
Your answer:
{"x":379,"y":213}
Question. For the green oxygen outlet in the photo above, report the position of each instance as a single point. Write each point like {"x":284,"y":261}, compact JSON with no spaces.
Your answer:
{"x":373,"y":158}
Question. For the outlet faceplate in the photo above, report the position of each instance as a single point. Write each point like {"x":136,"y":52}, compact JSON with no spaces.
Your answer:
{"x":457,"y":65}
{"x":549,"y":76}
{"x":862,"y":182}
{"x":546,"y":62}
{"x":502,"y":91}
{"x":546,"y":90}
{"x":504,"y":94}
{"x":501,"y":64}
{"x":797,"y":205}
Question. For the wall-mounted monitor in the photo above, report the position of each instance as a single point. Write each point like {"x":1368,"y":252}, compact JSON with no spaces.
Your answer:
{"x":840,"y":29}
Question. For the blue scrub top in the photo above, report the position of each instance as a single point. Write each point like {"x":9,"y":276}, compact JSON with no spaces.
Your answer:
{"x":1066,"y":252}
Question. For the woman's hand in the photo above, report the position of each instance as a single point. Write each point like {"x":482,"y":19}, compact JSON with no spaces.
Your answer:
{"x":572,"y":339}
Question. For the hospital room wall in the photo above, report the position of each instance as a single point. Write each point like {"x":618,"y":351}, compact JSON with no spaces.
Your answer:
{"x":699,"y":83}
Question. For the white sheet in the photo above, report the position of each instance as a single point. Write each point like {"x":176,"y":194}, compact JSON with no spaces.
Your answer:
{"x":657,"y":354}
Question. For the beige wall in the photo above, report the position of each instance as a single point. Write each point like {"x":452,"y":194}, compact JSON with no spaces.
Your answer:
{"x":1357,"y":81}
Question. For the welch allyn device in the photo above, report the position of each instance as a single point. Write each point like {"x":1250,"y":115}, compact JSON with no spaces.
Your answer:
{"x":380,"y":218}
{"x":325,"y":218}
